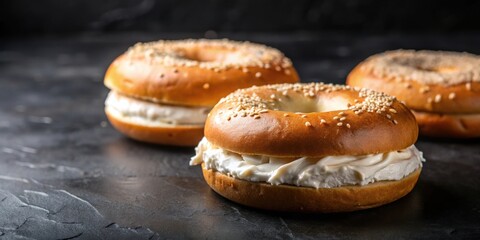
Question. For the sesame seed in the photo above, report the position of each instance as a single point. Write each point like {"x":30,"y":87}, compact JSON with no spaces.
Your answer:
{"x":228,"y":119}
{"x":287,"y":72}
{"x":339,"y":124}
{"x":468,"y":86}
{"x":424,"y":89}
{"x":308,"y":124}
{"x":438,"y":98}
{"x":348,"y":125}
{"x":395,"y":121}
{"x":258,"y":74}
{"x":342,"y":118}
{"x":257,"y":117}
{"x":341,"y":113}
{"x":389,"y":116}
{"x":335,"y":118}
{"x":322,"y":121}
{"x":278,"y":68}
{"x":285,"y":115}
{"x":429,"y":100}
{"x":206,"y":86}
{"x":245,"y":70}
{"x":392,"y":110}
{"x":272,"y":96}
{"x":304,"y":116}
{"x":451,"y":96}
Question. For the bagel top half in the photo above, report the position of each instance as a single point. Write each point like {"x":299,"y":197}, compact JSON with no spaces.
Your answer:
{"x":313,"y":120}
{"x":428,"y":81}
{"x":196,"y":72}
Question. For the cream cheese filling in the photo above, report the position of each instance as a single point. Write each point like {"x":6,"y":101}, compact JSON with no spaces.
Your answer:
{"x":154,"y":114}
{"x":324,"y":172}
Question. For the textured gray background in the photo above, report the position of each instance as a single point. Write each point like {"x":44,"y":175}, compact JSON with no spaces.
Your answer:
{"x":60,"y":16}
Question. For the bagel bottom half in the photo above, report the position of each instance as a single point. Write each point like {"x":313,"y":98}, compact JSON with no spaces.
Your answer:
{"x":448,"y":125}
{"x":287,"y":198}
{"x":179,"y":135}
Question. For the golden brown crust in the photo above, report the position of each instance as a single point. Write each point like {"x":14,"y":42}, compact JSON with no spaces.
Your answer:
{"x":178,"y":135}
{"x":192,"y":85}
{"x":312,"y":134}
{"x":303,"y":199}
{"x":459,"y":98}
{"x":448,"y":125}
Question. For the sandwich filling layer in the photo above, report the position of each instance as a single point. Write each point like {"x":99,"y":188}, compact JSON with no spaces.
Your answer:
{"x":321,"y":172}
{"x":154,"y":114}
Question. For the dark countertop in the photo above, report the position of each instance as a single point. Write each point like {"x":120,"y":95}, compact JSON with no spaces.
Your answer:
{"x":66,"y":173}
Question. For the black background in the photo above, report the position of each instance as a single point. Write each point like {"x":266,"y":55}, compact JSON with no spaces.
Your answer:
{"x":26,"y":17}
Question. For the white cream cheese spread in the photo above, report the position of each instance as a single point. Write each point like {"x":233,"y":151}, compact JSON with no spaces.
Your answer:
{"x":152,"y":114}
{"x":324,"y":172}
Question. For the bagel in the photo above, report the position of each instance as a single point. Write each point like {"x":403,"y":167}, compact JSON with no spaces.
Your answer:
{"x":158,"y":88}
{"x":312,"y":147}
{"x":432,"y":84}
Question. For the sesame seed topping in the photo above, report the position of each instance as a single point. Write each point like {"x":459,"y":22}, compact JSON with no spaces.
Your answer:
{"x":256,"y":117}
{"x":178,"y":54}
{"x":392,"y":110}
{"x":340,"y":124}
{"x":206,"y":86}
{"x":438,"y":98}
{"x":428,"y":67}
{"x":304,"y":116}
{"x":451,"y":96}
{"x":278,"y":68}
{"x":287,"y":72}
{"x":248,"y":102}
{"x":389,"y":116}
{"x":258,"y":74}
{"x":395,"y":121}
{"x":348,"y":125}
{"x":322,"y":121}
{"x":286,"y":115}
{"x":308,"y":124}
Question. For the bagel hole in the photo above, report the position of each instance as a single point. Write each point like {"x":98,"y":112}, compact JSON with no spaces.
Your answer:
{"x":310,"y":105}
{"x":424,"y":65}
{"x":200,"y":55}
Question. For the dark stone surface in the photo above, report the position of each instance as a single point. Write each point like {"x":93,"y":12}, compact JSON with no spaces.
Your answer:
{"x":26,"y":17}
{"x":65,"y":173}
